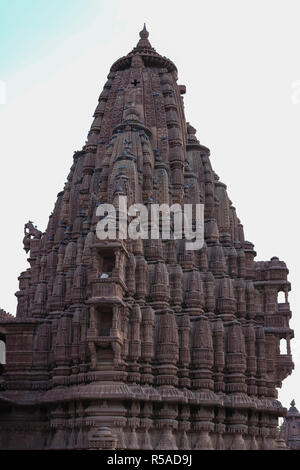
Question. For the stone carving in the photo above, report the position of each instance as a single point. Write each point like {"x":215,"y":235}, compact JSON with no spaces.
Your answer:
{"x":143,"y":344}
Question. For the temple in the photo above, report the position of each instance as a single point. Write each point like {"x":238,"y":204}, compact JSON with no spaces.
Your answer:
{"x":290,"y":429}
{"x":142,"y":344}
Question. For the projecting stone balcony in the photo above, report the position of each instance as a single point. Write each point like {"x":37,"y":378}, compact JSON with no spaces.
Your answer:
{"x":284,"y":367}
{"x":105,"y":347}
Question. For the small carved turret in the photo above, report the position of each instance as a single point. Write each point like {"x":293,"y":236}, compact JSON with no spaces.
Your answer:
{"x":124,"y":341}
{"x":167,"y":349}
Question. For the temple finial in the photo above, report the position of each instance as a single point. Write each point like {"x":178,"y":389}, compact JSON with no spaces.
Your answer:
{"x":293,"y":403}
{"x":144,"y":34}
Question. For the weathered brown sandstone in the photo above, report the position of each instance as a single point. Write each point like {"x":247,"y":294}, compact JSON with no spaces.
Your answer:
{"x":170,"y":349}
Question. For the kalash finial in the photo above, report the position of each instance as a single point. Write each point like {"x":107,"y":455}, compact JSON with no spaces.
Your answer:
{"x":144,"y":34}
{"x":293,"y":403}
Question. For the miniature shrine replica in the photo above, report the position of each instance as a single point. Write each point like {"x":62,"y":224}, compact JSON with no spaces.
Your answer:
{"x":290,"y":429}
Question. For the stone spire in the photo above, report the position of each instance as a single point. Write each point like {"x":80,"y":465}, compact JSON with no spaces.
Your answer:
{"x":144,"y":43}
{"x":124,"y":343}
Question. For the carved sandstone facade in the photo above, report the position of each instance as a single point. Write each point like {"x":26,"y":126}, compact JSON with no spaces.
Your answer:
{"x":141,"y":344}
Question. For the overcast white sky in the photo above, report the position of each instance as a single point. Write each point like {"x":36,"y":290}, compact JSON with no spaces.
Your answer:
{"x":240,"y":63}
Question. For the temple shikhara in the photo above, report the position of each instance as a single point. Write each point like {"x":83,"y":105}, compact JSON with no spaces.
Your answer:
{"x":141,"y":344}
